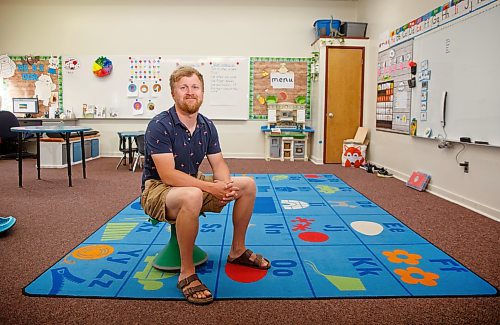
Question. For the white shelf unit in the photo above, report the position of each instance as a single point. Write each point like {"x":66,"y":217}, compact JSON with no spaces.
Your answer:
{"x":286,"y":147}
{"x":53,"y":153}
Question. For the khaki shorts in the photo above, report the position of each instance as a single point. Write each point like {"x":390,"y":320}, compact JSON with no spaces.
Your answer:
{"x":154,"y":196}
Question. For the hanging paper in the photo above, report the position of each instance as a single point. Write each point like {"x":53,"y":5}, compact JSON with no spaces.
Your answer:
{"x":144,"y":88}
{"x":71,"y":64}
{"x":43,"y":88}
{"x":7,"y":67}
{"x":137,"y":108}
{"x":53,"y":64}
{"x":144,"y":68}
{"x":156,"y":90}
{"x":132,"y":90}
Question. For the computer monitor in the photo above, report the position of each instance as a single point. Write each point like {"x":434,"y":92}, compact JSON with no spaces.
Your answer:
{"x":26,"y":106}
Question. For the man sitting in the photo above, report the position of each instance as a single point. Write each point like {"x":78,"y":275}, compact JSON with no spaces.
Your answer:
{"x":176,"y":142}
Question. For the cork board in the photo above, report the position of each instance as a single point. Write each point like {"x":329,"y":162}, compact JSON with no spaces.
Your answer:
{"x":280,"y":79}
{"x":36,"y":76}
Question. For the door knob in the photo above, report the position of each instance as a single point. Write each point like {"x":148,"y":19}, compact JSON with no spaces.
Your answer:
{"x":330,"y":115}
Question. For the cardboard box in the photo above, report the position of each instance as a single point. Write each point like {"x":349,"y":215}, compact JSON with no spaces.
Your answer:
{"x":359,"y":137}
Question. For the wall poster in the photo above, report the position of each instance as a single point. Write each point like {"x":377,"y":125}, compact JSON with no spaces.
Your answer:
{"x":393,"y":88}
{"x":276,"y":80}
{"x":35,"y":76}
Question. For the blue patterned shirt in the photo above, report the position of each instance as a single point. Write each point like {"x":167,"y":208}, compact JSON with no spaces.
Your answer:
{"x":167,"y":134}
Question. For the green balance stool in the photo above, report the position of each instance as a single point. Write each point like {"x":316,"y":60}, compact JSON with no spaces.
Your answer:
{"x":169,"y":258}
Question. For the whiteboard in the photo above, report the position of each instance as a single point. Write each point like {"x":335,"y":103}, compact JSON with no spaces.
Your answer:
{"x":461,"y":59}
{"x":226,"y":85}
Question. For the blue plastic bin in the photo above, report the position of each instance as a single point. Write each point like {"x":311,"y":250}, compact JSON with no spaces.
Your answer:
{"x":324,"y":27}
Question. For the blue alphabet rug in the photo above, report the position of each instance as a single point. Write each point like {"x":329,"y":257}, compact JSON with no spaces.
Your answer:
{"x":324,"y":240}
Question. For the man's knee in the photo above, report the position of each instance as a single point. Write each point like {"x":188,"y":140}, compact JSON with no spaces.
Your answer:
{"x":192,"y":196}
{"x":248,"y":185}
{"x":190,"y":199}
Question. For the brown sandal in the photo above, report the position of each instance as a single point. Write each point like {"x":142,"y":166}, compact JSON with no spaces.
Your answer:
{"x":244,"y":259}
{"x":190,"y":292}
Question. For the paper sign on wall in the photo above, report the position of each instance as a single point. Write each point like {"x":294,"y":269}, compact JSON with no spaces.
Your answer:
{"x":282,"y":80}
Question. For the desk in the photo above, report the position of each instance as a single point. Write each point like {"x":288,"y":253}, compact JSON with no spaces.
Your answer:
{"x":30,"y":122}
{"x":129,"y":135}
{"x":38,"y":131}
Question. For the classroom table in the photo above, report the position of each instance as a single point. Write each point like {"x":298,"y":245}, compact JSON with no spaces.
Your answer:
{"x":129,"y":135}
{"x":65,"y":131}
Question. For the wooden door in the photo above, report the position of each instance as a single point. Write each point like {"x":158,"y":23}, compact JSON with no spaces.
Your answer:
{"x":344,"y":98}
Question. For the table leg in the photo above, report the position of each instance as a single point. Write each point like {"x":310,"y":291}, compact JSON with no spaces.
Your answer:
{"x":68,"y":157}
{"x":20,"y":158}
{"x":38,"y":154}
{"x":129,"y":153}
{"x":82,"y":140}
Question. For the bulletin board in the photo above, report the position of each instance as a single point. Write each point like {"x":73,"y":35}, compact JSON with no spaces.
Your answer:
{"x":459,"y":58}
{"x":33,"y":76}
{"x":279,"y":80}
{"x":393,"y":92}
{"x":138,"y":86}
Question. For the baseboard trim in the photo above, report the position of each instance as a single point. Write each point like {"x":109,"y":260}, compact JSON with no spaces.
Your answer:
{"x":316,"y":160}
{"x":242,"y":156}
{"x":453,"y":197}
{"x":112,"y":155}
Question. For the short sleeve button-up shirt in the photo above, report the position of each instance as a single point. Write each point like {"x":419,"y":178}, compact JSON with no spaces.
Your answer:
{"x":167,"y":134}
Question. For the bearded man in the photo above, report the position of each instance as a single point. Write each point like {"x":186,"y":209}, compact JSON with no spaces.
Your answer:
{"x":173,"y":190}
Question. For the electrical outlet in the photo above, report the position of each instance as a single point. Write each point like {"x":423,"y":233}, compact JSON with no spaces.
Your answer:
{"x":465,"y":165}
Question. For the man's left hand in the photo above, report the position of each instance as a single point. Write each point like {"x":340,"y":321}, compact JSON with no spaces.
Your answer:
{"x":231,"y":194}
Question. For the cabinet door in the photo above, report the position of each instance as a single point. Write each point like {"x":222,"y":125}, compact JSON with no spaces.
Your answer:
{"x":95,"y":148}
{"x":88,"y":149}
{"x":77,"y":151}
{"x":344,"y":98}
{"x":64,"y":160}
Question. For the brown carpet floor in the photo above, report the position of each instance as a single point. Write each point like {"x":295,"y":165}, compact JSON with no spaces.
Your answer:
{"x":54,"y":218}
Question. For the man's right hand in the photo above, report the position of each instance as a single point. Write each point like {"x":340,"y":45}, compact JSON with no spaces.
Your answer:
{"x":219,"y":189}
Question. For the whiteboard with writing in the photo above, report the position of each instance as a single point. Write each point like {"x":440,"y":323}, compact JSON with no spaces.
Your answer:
{"x":459,"y":59}
{"x":138,"y":86}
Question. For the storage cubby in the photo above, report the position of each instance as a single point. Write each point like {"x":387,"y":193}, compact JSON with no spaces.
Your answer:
{"x":53,"y":153}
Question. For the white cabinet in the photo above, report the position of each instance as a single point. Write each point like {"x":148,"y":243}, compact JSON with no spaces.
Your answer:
{"x":287,"y":146}
{"x":53,"y":153}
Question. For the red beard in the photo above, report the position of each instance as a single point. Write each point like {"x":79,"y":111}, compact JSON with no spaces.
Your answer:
{"x":190,"y":107}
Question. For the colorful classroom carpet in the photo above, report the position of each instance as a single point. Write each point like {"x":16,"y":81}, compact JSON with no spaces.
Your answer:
{"x":324,"y":240}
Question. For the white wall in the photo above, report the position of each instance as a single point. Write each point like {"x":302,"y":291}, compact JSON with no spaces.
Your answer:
{"x":478,"y":189}
{"x":246,"y":28}
{"x":196,"y":27}
{"x":318,"y":96}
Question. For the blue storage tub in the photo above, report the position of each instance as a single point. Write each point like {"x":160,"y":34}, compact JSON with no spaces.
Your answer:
{"x":326,"y":27}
